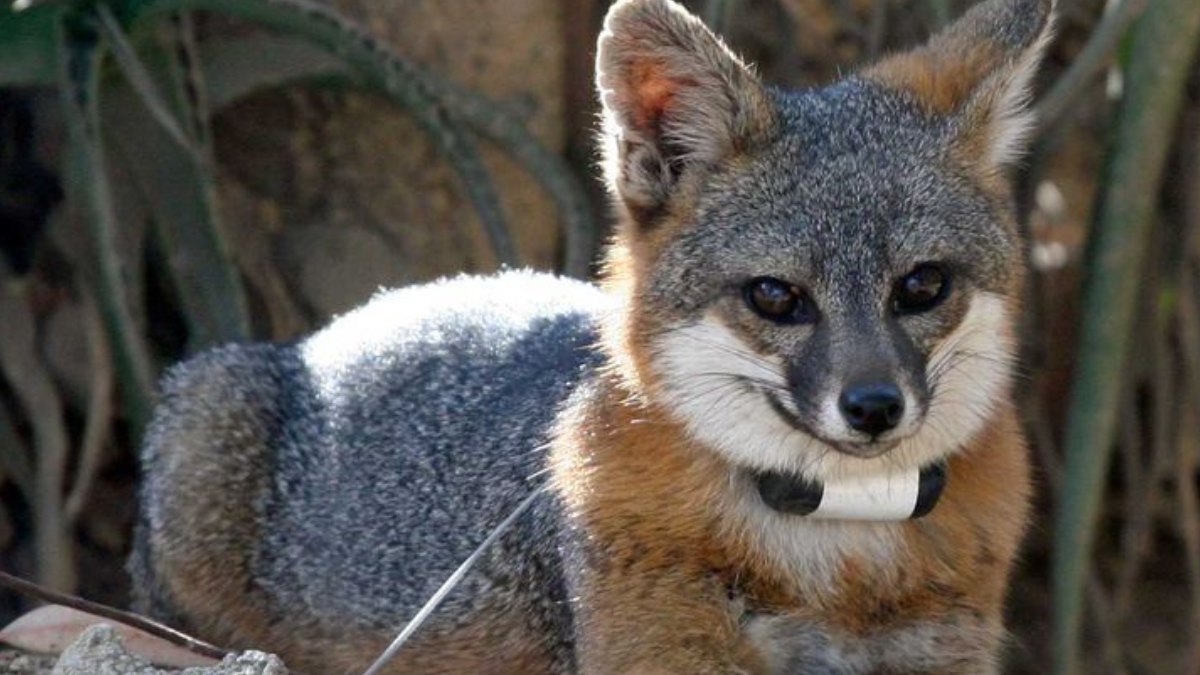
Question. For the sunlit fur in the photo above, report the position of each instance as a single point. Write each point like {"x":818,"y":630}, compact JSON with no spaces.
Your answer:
{"x":716,"y":384}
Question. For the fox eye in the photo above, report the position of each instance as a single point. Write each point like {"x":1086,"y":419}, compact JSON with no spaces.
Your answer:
{"x":779,"y":301}
{"x":921,"y":289}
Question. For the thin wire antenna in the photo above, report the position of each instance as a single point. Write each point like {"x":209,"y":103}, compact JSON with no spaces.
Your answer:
{"x":432,"y":604}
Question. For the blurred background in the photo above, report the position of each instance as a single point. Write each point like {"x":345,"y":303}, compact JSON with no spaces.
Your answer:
{"x":180,"y":173}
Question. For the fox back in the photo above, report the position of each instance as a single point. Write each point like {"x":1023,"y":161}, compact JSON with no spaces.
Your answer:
{"x":309,"y":497}
{"x":814,"y":287}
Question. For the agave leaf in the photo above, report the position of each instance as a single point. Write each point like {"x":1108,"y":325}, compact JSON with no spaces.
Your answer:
{"x":28,"y":55}
{"x":215,"y":297}
{"x":178,"y":186}
{"x":89,"y":190}
{"x":355,"y":58}
{"x":138,"y":76}
{"x":240,"y":66}
{"x":551,"y":171}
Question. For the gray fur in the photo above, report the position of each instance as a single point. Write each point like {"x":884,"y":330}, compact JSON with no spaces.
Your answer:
{"x":795,"y":647}
{"x":393,"y":441}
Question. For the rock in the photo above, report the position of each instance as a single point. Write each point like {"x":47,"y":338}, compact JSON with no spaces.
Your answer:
{"x":14,"y":662}
{"x":246,"y":663}
{"x":99,"y":650}
{"x":51,"y":629}
{"x":336,"y":268}
{"x":362,"y":170}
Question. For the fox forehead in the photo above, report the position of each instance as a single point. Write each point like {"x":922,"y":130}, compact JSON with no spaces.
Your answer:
{"x":857,"y":118}
{"x":856,"y":184}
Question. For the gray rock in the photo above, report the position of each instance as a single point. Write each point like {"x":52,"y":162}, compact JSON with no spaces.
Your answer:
{"x":14,"y":662}
{"x":99,"y":650}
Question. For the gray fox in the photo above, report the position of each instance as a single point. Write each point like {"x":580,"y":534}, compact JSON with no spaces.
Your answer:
{"x":807,"y":291}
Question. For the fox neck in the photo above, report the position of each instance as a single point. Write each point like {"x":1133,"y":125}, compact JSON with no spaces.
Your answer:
{"x":624,"y":273}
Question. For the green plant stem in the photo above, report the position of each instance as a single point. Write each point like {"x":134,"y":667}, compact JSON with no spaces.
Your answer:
{"x":1162,"y":52}
{"x":137,"y":75}
{"x":1096,"y":55}
{"x":175,"y":169}
{"x":214,"y":276}
{"x":550,"y":170}
{"x":89,"y":190}
{"x":379,"y":68}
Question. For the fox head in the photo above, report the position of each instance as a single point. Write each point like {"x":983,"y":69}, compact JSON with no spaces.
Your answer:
{"x":822,"y":281}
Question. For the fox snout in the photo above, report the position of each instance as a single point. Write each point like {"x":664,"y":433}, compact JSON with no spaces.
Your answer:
{"x":873,"y":407}
{"x":864,"y":415}
{"x":857,"y":385}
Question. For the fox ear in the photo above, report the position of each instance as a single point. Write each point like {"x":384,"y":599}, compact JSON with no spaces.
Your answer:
{"x":979,"y":69}
{"x":675,"y":100}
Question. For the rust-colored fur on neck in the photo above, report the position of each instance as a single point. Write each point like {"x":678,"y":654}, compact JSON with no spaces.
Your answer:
{"x":669,"y":582}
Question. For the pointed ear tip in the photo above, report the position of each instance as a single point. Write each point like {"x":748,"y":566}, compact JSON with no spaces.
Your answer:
{"x":1046,"y":30}
{"x":1043,"y":13}
{"x":623,"y":11}
{"x":1048,"y":14}
{"x":1039,"y":9}
{"x":659,"y":30}
{"x":1017,"y":23}
{"x":631,"y":22}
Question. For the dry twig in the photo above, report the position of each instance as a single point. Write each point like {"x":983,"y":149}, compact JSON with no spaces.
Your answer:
{"x":128,"y":618}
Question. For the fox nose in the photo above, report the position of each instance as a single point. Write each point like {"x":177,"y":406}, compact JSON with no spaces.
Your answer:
{"x":872,"y":407}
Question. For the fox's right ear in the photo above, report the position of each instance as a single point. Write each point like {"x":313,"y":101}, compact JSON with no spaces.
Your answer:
{"x":676,"y":101}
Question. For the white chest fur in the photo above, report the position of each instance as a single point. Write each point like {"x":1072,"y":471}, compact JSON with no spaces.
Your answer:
{"x":814,"y":550}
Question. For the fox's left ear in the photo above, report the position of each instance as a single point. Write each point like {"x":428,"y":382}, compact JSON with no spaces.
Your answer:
{"x":979,"y":70}
{"x":676,"y":101}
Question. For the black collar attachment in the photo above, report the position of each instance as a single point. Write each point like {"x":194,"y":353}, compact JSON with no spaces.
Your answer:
{"x":797,"y":496}
{"x":789,"y":494}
